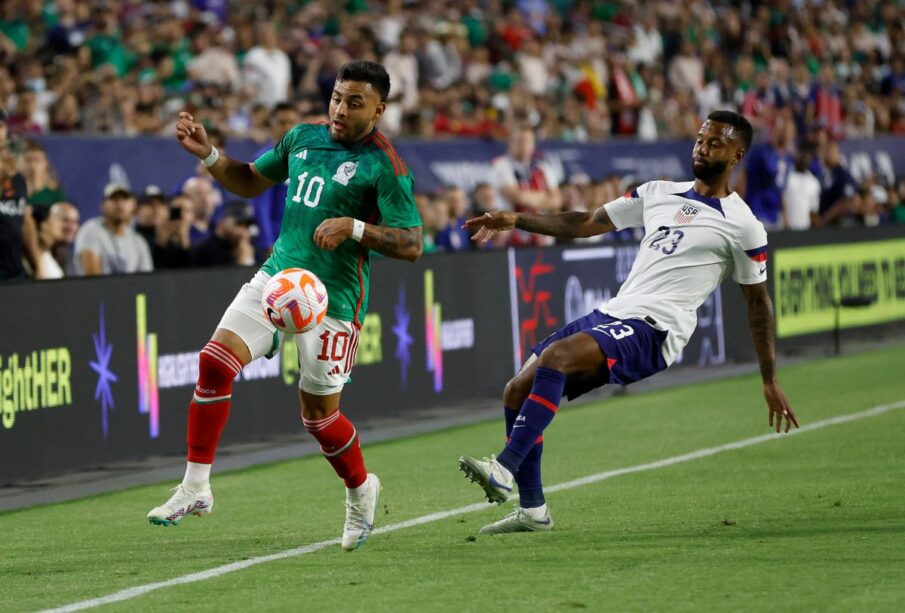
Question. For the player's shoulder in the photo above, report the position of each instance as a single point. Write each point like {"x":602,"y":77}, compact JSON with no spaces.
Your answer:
{"x":378,"y":145}
{"x":743,"y":220}
{"x":661,"y":188}
{"x":306,"y":134}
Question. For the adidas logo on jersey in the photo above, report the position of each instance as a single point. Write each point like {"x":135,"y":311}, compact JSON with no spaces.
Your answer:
{"x":336,"y":371}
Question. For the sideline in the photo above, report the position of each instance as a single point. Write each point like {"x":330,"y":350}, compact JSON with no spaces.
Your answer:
{"x":139,"y":590}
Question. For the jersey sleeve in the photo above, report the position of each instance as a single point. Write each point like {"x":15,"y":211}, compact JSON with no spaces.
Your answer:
{"x":274,"y":164}
{"x":749,"y":254}
{"x":628,"y":211}
{"x":396,"y":200}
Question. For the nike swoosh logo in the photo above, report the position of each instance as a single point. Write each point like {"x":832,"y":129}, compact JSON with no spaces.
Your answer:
{"x":518,"y":426}
{"x":546,"y":522}
{"x":496,"y":483}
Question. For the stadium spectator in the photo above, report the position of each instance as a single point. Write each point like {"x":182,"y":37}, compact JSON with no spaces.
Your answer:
{"x":109,"y":244}
{"x":801,"y":196}
{"x":430,"y":221}
{"x":524,"y":182}
{"x":230,"y":244}
{"x":838,"y":187}
{"x":766,"y":170}
{"x":69,"y":219}
{"x":150,"y":213}
{"x":18,"y":232}
{"x":270,"y":204}
{"x":266,"y":67}
{"x":402,"y":66}
{"x":44,"y":188}
{"x":453,"y":236}
{"x":50,"y":233}
{"x":171,"y":242}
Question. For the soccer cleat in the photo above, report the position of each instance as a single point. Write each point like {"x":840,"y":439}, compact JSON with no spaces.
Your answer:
{"x":519,"y":521}
{"x":490,"y":475}
{"x":360,"y":515}
{"x":183,"y":502}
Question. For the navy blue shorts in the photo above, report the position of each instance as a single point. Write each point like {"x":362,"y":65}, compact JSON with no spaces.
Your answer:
{"x":632,"y":348}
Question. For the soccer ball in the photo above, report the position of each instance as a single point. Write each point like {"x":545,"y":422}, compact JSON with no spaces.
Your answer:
{"x":294,"y":300}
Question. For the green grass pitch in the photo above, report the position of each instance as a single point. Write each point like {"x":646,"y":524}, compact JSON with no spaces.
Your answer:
{"x":803,"y":523}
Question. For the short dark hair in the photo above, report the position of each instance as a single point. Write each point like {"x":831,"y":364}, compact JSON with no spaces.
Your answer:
{"x":283,"y":106}
{"x":738,"y":122}
{"x":366,"y":72}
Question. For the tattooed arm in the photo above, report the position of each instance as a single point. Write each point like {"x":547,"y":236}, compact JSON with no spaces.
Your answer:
{"x":571,"y":224}
{"x":760,"y":322}
{"x":401,"y":243}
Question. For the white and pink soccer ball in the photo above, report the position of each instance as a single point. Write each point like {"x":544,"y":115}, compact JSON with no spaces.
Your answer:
{"x":294,"y":300}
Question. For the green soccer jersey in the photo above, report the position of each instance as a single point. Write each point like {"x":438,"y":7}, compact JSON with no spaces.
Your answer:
{"x":365,"y":180}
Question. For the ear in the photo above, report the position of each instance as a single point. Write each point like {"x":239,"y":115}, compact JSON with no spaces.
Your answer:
{"x":378,"y":111}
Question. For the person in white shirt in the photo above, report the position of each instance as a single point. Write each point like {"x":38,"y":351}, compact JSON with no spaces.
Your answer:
{"x":801,"y":196}
{"x":109,"y":244}
{"x":267,"y":69}
{"x":697,"y":234}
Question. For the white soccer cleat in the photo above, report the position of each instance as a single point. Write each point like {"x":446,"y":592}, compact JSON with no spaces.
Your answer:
{"x":520,"y":520}
{"x":360,"y":513}
{"x":490,"y":475}
{"x":183,"y":502}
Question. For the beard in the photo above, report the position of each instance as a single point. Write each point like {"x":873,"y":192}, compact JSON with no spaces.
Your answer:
{"x":709,"y":171}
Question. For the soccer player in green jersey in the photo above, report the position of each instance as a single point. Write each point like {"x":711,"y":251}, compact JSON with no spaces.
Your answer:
{"x":349,"y":192}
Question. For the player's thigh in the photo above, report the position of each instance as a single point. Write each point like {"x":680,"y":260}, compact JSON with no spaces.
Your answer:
{"x":244,"y":319}
{"x":577,"y":355}
{"x":326,"y":356}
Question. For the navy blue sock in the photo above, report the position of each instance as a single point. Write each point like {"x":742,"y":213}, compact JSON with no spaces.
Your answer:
{"x":509,"y":415}
{"x":530,"y":490}
{"x":538,"y":411}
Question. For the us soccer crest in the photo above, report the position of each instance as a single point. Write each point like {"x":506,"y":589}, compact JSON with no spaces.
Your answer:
{"x":345,"y":172}
{"x":685,"y":214}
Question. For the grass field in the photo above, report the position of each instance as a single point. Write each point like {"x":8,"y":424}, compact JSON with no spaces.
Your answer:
{"x":808,"y":522}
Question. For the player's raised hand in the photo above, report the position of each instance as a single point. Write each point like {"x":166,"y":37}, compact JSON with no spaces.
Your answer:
{"x":332,"y":232}
{"x":779,"y":407}
{"x":192,"y":136}
{"x":489,"y":224}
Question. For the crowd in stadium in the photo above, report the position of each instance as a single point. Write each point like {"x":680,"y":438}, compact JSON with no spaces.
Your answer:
{"x":806,"y":73}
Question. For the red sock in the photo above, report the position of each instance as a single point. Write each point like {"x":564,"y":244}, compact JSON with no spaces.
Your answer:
{"x":209,"y":409}
{"x":339,"y":444}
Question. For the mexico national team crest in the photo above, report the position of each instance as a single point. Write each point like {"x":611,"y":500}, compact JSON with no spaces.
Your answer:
{"x":345,"y":172}
{"x":685,"y":214}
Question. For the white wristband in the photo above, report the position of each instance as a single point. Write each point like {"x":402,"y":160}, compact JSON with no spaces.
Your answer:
{"x":358,"y":229}
{"x":212,"y":158}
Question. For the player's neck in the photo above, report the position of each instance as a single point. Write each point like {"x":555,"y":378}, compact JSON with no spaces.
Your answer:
{"x":720,"y":189}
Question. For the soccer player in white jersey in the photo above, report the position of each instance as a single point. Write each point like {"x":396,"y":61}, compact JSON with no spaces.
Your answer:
{"x":696,"y":234}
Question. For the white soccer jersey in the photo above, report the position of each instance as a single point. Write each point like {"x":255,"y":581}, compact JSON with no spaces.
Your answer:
{"x":691,"y":244}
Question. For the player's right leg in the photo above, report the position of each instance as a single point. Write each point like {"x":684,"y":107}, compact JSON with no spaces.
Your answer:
{"x":242,"y":335}
{"x":541,"y":383}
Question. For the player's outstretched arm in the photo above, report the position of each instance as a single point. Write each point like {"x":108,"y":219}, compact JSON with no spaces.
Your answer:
{"x":238,"y":177}
{"x":401,"y":243}
{"x":571,"y":224}
{"x":760,"y":321}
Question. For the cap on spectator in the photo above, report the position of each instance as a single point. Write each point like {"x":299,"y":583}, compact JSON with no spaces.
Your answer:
{"x":242,"y":212}
{"x":151,"y":193}
{"x":117,"y":189}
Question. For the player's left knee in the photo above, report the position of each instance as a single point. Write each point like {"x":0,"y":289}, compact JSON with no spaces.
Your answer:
{"x":556,"y":356}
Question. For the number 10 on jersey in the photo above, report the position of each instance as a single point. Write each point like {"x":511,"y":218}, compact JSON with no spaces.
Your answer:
{"x":312,"y":193}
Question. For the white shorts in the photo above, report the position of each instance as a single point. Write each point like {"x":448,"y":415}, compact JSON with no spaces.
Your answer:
{"x":326,"y":353}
